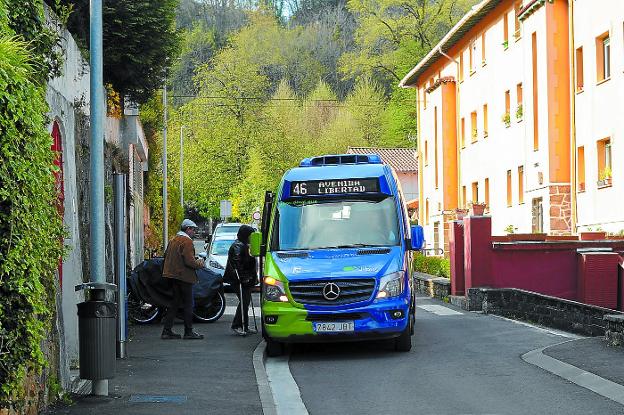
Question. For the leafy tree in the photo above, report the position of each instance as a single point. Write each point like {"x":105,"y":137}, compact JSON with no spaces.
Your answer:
{"x":393,"y":35}
{"x":140,"y":42}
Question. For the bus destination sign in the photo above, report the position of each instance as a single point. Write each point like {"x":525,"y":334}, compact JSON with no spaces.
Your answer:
{"x":334,"y":187}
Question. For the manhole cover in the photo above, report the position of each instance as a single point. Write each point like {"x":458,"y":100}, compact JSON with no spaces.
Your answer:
{"x":157,"y":398}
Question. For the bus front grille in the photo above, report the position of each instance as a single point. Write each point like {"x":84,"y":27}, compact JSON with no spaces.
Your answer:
{"x":350,"y":291}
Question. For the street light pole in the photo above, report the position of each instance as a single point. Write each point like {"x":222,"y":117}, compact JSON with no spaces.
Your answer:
{"x":164,"y":191}
{"x":182,"y":166}
{"x":97,"y":245}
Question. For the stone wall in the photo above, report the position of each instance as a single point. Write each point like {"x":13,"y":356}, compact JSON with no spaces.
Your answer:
{"x":560,"y":210}
{"x":435,"y":287}
{"x":541,"y":309}
{"x":614,"y":333}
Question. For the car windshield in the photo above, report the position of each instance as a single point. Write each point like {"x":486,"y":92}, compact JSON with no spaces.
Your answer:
{"x":315,"y":224}
{"x":221,"y":246}
{"x":228,"y":229}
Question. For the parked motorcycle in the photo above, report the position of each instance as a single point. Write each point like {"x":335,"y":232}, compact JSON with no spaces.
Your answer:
{"x":149,"y":294}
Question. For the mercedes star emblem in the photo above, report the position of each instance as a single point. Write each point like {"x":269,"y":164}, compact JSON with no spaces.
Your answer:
{"x":331,"y":291}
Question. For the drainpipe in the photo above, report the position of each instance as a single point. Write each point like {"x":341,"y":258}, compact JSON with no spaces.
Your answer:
{"x":457,"y":131}
{"x":573,"y":159}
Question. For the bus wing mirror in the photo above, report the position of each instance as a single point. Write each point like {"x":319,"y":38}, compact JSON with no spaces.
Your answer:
{"x":418,"y":237}
{"x":255,"y":240}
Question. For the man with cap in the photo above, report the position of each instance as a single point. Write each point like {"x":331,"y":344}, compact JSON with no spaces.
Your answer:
{"x":180,"y":265}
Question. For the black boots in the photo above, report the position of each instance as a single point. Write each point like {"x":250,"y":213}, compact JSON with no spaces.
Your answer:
{"x":191,"y":335}
{"x":168,"y":334}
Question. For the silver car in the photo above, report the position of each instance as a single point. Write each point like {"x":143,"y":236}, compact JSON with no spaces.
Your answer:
{"x":218,"y":252}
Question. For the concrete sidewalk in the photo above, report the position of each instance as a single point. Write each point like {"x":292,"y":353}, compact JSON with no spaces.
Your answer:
{"x":210,"y":376}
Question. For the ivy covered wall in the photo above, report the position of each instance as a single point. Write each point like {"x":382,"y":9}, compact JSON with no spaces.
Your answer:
{"x":30,"y":226}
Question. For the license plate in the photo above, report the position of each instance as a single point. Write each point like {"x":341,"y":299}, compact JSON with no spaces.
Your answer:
{"x":334,"y":327}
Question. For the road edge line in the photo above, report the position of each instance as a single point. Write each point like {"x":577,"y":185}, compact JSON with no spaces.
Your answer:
{"x":262,"y":380}
{"x":580,"y":377}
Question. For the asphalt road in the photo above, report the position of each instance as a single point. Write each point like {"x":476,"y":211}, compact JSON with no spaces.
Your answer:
{"x":460,"y":364}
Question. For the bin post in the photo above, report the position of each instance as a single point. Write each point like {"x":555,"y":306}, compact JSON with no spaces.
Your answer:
{"x":96,"y":335}
{"x":120,"y":264}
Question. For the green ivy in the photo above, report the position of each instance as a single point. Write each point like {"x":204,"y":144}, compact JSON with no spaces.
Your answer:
{"x":30,"y":226}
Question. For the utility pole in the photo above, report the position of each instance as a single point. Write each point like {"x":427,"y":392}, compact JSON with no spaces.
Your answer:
{"x":182,"y":167}
{"x":164,"y":192}
{"x":97,"y":246}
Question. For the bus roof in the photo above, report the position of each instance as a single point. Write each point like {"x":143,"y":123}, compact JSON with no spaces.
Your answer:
{"x":343,"y":171}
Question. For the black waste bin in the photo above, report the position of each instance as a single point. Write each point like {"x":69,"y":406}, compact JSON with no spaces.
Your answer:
{"x":97,"y":325}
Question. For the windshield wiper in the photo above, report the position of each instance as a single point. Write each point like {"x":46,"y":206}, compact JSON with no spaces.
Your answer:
{"x":347,"y":246}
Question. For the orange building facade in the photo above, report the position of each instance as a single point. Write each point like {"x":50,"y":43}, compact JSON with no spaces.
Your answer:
{"x":496,"y":99}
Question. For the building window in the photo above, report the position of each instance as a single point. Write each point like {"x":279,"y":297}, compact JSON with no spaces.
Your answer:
{"x":472,"y":56}
{"x":463,"y":133}
{"x":464,"y":201}
{"x":579,"y":69}
{"x":436,"y":238}
{"x":603,"y":57}
{"x":509,"y":197}
{"x":605,"y":166}
{"x":461,"y":66}
{"x":517,"y":7}
{"x":519,"y":106}
{"x":520,"y":184}
{"x":435,"y":143}
{"x":427,"y":212}
{"x":426,"y":152}
{"x":473,"y":126}
{"x":580,"y":159}
{"x":475,"y":192}
{"x":505,"y":31}
{"x":424,"y":97}
{"x":487,"y":192}
{"x":483,"y":55}
{"x":485,"y":120}
{"x":507,"y":114}
{"x":537,"y":213}
{"x":535,"y":96}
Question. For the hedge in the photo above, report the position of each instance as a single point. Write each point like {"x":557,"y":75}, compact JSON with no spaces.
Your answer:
{"x":433,"y":265}
{"x":30,"y":226}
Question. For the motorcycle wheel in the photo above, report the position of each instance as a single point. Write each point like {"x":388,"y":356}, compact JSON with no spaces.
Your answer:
{"x":212,"y":311}
{"x":140,"y":312}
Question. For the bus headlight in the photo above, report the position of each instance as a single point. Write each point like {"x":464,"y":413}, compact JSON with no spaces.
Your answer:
{"x":274,"y":290}
{"x":392,"y":285}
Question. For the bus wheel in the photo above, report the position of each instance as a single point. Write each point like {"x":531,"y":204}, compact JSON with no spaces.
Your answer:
{"x":403,"y":343}
{"x":273,"y":348}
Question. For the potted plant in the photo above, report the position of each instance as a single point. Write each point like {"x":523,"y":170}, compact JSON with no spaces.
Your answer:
{"x":474,"y":134}
{"x":506,"y":119}
{"x":461,"y":213}
{"x":591,"y":235}
{"x":519,"y":112}
{"x":604,"y":178}
{"x":477,"y":209}
{"x":581,"y":187}
{"x":534,"y":237}
{"x":505,"y":44}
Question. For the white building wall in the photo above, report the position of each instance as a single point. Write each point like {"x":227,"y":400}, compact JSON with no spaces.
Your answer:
{"x":65,"y":95}
{"x":599,"y":113}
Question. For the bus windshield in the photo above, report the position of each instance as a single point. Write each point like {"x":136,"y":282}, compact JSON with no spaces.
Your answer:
{"x":318,"y":224}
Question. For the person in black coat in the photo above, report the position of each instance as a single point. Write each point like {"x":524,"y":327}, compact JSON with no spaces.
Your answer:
{"x":241,"y":270}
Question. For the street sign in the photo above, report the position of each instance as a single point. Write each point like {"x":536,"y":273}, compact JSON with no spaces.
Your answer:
{"x":257,"y":215}
{"x":226,"y":208}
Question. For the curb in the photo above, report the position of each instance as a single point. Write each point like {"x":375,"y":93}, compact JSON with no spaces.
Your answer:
{"x":580,"y":377}
{"x":266,"y":396}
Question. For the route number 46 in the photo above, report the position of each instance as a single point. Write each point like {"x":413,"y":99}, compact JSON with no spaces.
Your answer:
{"x":300,"y":189}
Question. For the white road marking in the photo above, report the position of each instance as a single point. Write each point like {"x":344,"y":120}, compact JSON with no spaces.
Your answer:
{"x":439,"y":310}
{"x":542,"y":329}
{"x":230,"y":310}
{"x":587,"y":380}
{"x":285,"y":391}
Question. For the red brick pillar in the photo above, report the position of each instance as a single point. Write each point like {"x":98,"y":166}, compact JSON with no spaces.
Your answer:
{"x":478,"y":251}
{"x":456,"y":249}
